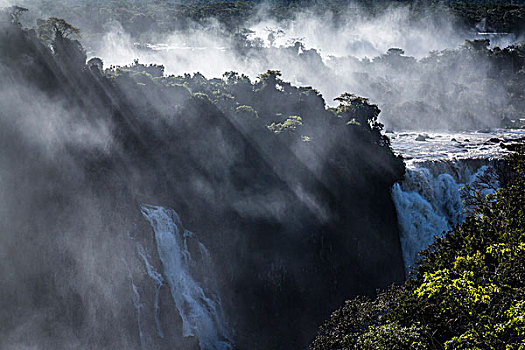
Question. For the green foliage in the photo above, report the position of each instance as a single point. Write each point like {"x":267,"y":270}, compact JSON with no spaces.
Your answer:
{"x":271,"y":75}
{"x":501,"y":16}
{"x":305,"y":138}
{"x":468,"y":291}
{"x":392,"y":336}
{"x":289,"y":125}
{"x":139,"y":17}
{"x":202,"y":96}
{"x":255,"y":105}
{"x":247,"y":111}
{"x":358,"y":109}
{"x":353,"y":122}
{"x":54,"y":28}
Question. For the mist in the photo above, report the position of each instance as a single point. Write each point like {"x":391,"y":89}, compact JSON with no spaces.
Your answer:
{"x":344,"y":55}
{"x":436,"y":80}
{"x":285,"y":194}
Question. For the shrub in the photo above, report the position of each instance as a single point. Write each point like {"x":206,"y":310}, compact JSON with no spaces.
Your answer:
{"x":468,"y":291}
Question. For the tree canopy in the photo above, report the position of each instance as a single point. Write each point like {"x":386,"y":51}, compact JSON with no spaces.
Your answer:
{"x":54,"y":28}
{"x":468,"y":292}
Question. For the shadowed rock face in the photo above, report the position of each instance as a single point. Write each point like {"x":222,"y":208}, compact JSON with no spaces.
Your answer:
{"x":295,"y":221}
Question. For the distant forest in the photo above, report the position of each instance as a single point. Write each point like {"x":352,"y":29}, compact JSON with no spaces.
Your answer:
{"x":159,"y":16}
{"x":487,"y":89}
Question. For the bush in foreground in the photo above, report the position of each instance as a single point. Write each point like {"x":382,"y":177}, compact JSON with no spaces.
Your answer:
{"x":467,"y":293}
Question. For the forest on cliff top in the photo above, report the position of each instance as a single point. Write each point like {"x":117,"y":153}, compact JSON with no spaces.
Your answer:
{"x":278,"y":184}
{"x":436,"y":79}
{"x":260,"y":170}
{"x":467,"y":292}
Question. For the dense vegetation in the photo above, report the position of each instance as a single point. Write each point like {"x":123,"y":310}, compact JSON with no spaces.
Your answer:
{"x":475,"y":86}
{"x":291,"y":196}
{"x":279,"y":187}
{"x":160,"y":16}
{"x":471,"y":87}
{"x":494,"y":16}
{"x":467,"y":293}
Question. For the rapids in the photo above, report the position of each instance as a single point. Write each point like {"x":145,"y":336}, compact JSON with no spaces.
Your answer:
{"x":441,"y":169}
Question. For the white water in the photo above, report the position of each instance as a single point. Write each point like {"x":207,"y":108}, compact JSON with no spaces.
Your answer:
{"x":430,"y":204}
{"x":452,"y":145}
{"x":138,"y":306}
{"x":429,"y":201}
{"x":195,"y":296}
{"x":158,"y":280}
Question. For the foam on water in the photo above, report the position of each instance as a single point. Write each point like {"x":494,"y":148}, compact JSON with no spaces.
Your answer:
{"x":429,"y":200}
{"x":452,"y":145}
{"x":429,"y":205}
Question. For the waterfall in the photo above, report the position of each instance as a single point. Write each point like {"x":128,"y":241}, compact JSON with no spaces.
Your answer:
{"x":429,"y":201}
{"x":158,"y":280}
{"x":135,"y":297}
{"x":189,"y":274}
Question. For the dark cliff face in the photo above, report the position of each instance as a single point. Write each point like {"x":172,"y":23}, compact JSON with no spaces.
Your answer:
{"x":297,"y":216}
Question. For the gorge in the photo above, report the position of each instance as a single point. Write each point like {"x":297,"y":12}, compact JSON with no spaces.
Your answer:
{"x":146,"y":210}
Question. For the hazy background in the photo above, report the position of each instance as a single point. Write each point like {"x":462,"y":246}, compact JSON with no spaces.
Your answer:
{"x":71,"y":180}
{"x":342,"y":56}
{"x":332,"y":53}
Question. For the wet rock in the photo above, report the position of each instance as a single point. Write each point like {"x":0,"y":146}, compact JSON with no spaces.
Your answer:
{"x":513,"y":147}
{"x":421,"y":138}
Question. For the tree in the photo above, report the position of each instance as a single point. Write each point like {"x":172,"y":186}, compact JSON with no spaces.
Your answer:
{"x":468,"y":292}
{"x":394,"y":51}
{"x":96,"y":64}
{"x":477,"y":45}
{"x":57,"y":33}
{"x":358,"y":109}
{"x":289,"y":125}
{"x":56,"y":28}
{"x":15,"y":12}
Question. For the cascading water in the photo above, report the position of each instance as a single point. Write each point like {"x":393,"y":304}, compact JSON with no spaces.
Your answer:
{"x":191,"y":281}
{"x":138,"y":306}
{"x":429,"y":201}
{"x":158,"y":280}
